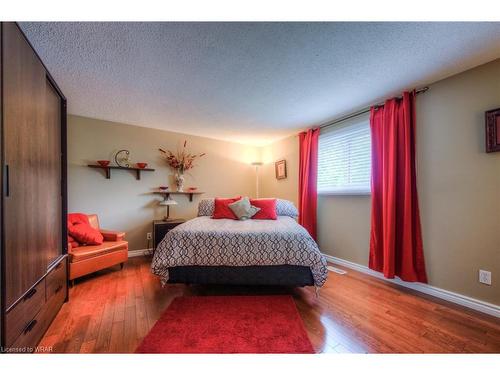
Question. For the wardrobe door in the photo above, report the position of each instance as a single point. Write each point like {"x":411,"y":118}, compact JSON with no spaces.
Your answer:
{"x":24,"y":115}
{"x":51,"y":199}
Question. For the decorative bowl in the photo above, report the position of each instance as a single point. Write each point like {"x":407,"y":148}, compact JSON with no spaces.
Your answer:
{"x":163,"y":188}
{"x":192,"y":188}
{"x":142,"y":165}
{"x":103,"y":163}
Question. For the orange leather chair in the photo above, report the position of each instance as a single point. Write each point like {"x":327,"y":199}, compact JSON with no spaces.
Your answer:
{"x":87,"y":259}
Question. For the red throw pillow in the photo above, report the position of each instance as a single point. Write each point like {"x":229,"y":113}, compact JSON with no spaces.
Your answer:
{"x":77,"y":218}
{"x":85,"y":234}
{"x":81,"y":231}
{"x":267,"y":209}
{"x":222,"y":210}
{"x":72,"y":241}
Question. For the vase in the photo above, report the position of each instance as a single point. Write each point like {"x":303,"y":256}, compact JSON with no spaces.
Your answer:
{"x":179,"y":182}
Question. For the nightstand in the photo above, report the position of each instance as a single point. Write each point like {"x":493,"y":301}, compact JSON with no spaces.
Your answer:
{"x":161,"y":228}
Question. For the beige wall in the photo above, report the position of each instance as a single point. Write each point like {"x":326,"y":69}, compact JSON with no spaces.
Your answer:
{"x":124,"y":203}
{"x":287,"y":149}
{"x":459,"y":188}
{"x":459,"y":184}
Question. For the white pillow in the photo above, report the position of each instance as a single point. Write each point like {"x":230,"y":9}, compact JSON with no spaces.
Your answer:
{"x":243,"y":209}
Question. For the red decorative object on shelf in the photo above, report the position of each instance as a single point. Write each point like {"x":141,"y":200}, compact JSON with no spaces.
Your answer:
{"x":103,"y":163}
{"x":142,"y":165}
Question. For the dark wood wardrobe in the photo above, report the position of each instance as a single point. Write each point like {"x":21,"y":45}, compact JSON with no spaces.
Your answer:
{"x":33,"y":203}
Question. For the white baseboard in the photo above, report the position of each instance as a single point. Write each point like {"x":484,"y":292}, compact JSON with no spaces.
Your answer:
{"x":138,"y":253}
{"x":459,"y":299}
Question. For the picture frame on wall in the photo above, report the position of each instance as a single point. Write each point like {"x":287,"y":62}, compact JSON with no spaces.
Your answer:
{"x":493,"y":130}
{"x":280,"y":169}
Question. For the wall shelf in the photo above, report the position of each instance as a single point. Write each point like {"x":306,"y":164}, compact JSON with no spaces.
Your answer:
{"x":108,"y":169}
{"x":167,"y":193}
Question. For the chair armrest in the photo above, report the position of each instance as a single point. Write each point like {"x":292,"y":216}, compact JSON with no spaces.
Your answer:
{"x":111,"y":235}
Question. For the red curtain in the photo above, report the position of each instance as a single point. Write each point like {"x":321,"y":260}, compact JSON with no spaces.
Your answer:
{"x":308,"y":173}
{"x":396,"y":239}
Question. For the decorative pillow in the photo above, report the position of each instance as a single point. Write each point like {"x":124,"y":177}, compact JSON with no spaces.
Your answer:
{"x":206,"y":207}
{"x":243,"y":209}
{"x":85,"y":234}
{"x":80,"y":229}
{"x":283,"y":208}
{"x":267,"y":209}
{"x":222,"y":210}
{"x":77,"y":218}
{"x":73,"y":242}
{"x":286,"y":208}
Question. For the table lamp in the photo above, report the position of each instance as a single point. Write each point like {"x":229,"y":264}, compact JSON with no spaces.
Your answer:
{"x":167,"y":201}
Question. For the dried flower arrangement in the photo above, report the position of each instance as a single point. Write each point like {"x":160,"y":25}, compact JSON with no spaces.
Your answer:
{"x":182,"y":161}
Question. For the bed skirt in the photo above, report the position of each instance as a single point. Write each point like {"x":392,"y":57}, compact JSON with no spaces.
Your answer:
{"x":244,"y":275}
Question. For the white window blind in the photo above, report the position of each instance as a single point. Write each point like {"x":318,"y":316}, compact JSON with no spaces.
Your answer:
{"x":344,"y":158}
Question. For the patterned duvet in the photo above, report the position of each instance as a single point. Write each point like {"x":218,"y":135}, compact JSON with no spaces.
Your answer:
{"x":204,"y":241}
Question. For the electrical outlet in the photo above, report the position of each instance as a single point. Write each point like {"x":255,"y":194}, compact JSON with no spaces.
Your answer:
{"x":485,"y":277}
{"x":149,"y":235}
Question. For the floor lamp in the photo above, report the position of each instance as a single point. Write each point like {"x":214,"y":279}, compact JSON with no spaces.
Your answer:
{"x":257,"y":164}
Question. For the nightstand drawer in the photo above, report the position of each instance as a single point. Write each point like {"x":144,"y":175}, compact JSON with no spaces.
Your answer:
{"x":161,"y":228}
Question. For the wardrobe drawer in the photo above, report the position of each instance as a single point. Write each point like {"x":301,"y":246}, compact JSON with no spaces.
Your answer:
{"x":29,"y":337}
{"x":56,"y":280}
{"x":33,"y":332}
{"x":36,"y":328}
{"x":20,"y":316}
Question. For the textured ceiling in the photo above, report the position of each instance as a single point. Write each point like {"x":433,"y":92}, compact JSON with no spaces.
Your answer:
{"x":249,"y":82}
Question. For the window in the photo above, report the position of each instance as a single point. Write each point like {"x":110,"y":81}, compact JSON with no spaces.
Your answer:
{"x":344,"y":158}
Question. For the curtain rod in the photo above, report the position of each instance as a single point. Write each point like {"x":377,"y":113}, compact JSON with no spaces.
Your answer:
{"x":366,"y":110}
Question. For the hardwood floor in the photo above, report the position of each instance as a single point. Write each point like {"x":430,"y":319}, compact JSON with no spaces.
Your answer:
{"x":112,"y":310}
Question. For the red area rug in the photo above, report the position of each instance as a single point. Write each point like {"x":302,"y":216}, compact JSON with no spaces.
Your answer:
{"x":229,"y":324}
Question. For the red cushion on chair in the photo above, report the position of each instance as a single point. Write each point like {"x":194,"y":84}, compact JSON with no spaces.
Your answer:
{"x":85,"y":234}
{"x":222,"y":210}
{"x":77,"y":218}
{"x":267,"y":209}
{"x":81,"y":231}
{"x":72,"y":241}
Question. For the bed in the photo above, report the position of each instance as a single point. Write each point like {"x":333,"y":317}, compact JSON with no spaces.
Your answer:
{"x":250,"y":252}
